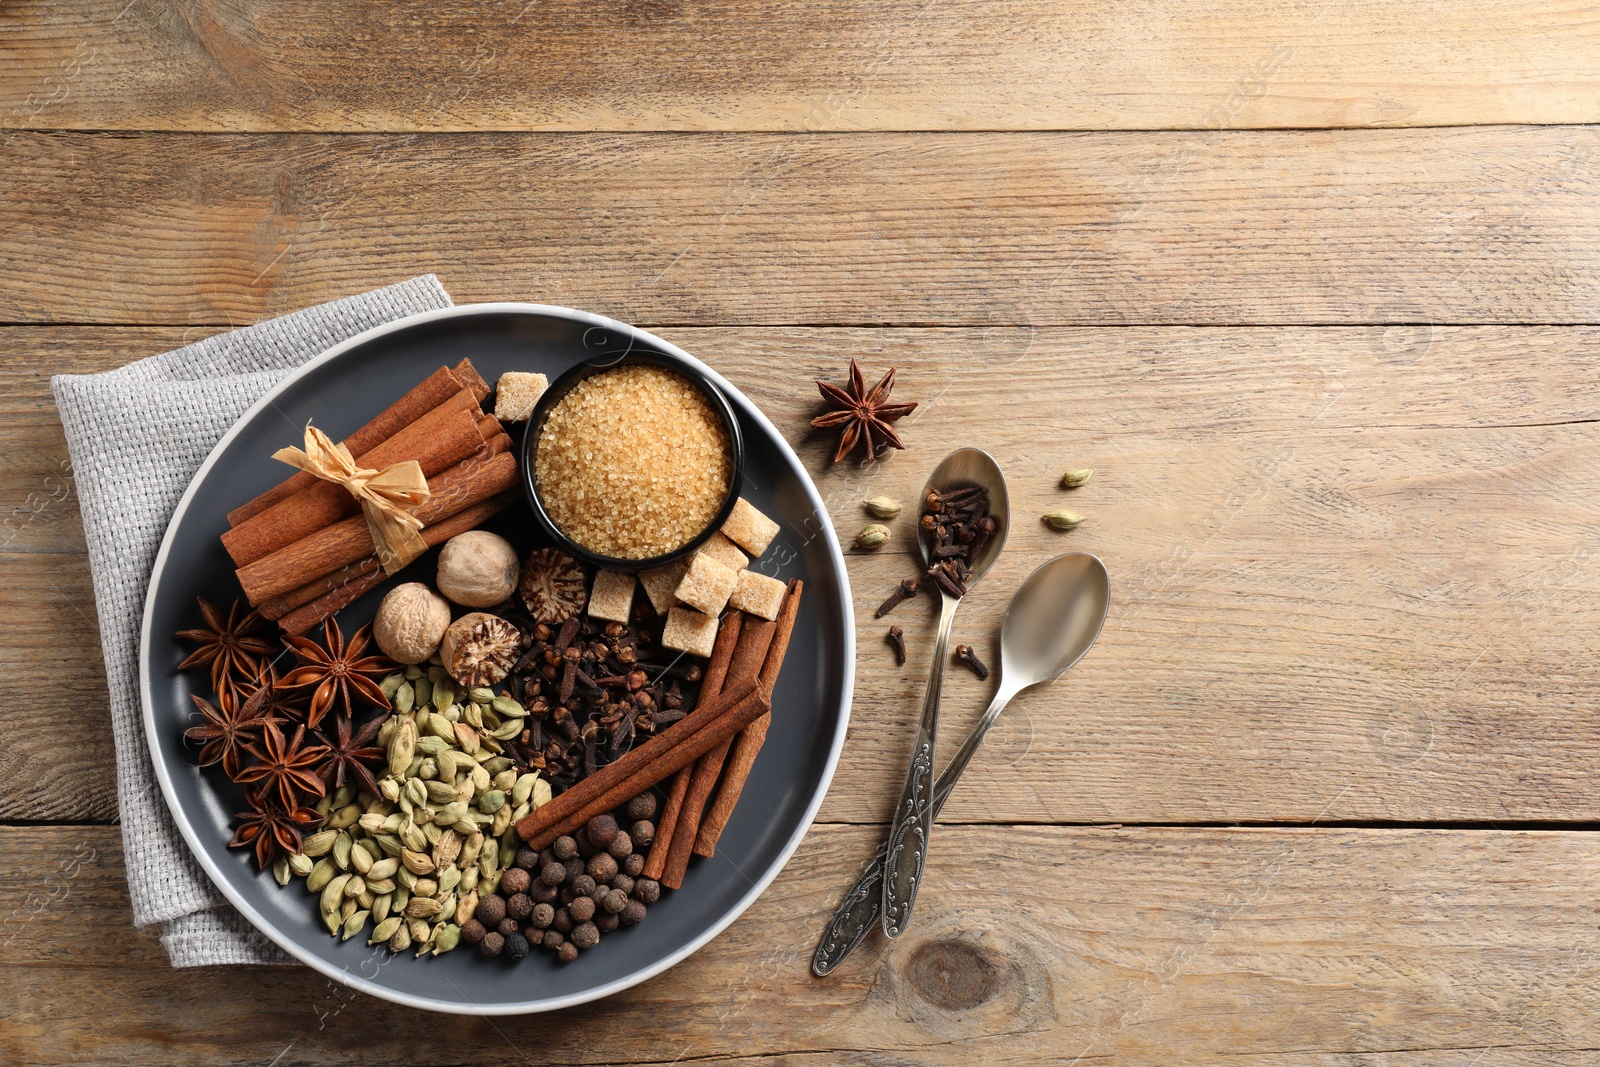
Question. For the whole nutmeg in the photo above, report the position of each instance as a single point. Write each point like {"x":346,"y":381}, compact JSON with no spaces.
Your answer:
{"x":410,"y":623}
{"x":477,"y":569}
{"x":601,"y":829}
{"x":581,"y":909}
{"x":479,"y":649}
{"x":586,"y":935}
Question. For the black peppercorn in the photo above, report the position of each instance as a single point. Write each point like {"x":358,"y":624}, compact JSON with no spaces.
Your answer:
{"x":491,"y":944}
{"x":633,"y":914}
{"x":600,"y":830}
{"x":507,"y":927}
{"x":519,"y":906}
{"x":553,"y":873}
{"x":542,"y":916}
{"x":621,"y":846}
{"x":491,"y":909}
{"x":606,"y":922}
{"x":472,"y":931}
{"x":647,"y":890}
{"x":643,"y":833}
{"x":564,"y":849}
{"x":614,"y":902}
{"x":563,"y":921}
{"x":527,"y":858}
{"x":553,"y":939}
{"x":586,"y":935}
{"x":642,"y":806}
{"x":581,"y":909}
{"x":602,"y":867}
{"x":542,"y":893}
{"x":567,"y":952}
{"x":633,"y":866}
{"x":516,"y":947}
{"x":516,"y":880}
{"x":582,"y":885}
{"x":622,"y":883}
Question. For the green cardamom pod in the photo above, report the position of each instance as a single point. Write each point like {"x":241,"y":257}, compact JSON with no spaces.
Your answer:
{"x":541,"y":793}
{"x":383,"y":868}
{"x":355,"y":886}
{"x":405,"y":698}
{"x":448,"y":937}
{"x":492,"y":801}
{"x":381,"y":886}
{"x":333,"y":892}
{"x":332,"y":920}
{"x":507,"y":708}
{"x":390,"y":844}
{"x":353,"y":925}
{"x":380,"y":907}
{"x":280,"y":870}
{"x":442,"y":728}
{"x":402,"y":897}
{"x":341,"y":851}
{"x":481,"y":695}
{"x":319,"y":843}
{"x":301,"y":865}
{"x":361,"y":860}
{"x":418,"y":862}
{"x":345,"y":817}
{"x":496,"y":764}
{"x":433,"y":745}
{"x":390,"y":789}
{"x":480,"y":778}
{"x":1076,"y":477}
{"x":444,"y":691}
{"x":400,"y":941}
{"x":391,"y":684}
{"x":402,"y":747}
{"x":1062,"y":519}
{"x":441,"y":792}
{"x":424,"y":691}
{"x":321,"y":874}
{"x":883,"y":507}
{"x":385,"y":929}
{"x":505,"y":780}
{"x":873,"y":537}
{"x":371,"y":822}
{"x":450,"y":879}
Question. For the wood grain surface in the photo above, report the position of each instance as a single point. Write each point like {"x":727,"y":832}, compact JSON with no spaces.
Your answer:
{"x":1138,"y":946}
{"x":1353,"y":568}
{"x":1477,"y":225}
{"x":785,"y":65}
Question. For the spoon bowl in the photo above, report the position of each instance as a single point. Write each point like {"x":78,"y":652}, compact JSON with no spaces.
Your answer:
{"x":962,"y":468}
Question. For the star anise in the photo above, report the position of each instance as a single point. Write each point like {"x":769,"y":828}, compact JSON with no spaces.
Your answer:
{"x":349,"y":754}
{"x":229,"y":729}
{"x":334,"y":668}
{"x":278,"y":704}
{"x":271,"y":829}
{"x":287,"y":768}
{"x":862,"y":414}
{"x":229,"y":644}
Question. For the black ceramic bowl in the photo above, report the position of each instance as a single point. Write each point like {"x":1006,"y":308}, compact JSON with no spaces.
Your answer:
{"x":599,"y":365}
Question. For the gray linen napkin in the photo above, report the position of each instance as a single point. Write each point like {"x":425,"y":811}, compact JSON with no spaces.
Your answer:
{"x":137,"y":435}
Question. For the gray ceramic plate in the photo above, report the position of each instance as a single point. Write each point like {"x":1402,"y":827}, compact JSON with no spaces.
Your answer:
{"x":341,"y":390}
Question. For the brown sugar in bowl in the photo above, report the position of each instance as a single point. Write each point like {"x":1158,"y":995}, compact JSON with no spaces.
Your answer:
{"x":632,"y":464}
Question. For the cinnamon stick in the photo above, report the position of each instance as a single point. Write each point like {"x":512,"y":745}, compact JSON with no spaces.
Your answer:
{"x":469,"y":377}
{"x":711,"y":687}
{"x":438,"y":387}
{"x":748,"y":657}
{"x":439,"y":440}
{"x":748,"y":744}
{"x":335,"y":591}
{"x":707,"y":726}
{"x":469,"y":482}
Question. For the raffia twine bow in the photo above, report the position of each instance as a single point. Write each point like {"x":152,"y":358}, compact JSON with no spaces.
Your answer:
{"x":385,"y":496}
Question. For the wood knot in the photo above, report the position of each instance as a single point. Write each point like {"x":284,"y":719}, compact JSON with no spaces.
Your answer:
{"x":953,"y":975}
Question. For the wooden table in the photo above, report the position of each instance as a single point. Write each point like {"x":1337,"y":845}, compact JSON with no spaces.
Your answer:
{"x":1312,"y":286}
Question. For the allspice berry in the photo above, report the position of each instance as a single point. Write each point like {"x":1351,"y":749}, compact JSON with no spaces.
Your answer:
{"x":565,"y":848}
{"x":518,"y":906}
{"x":553,"y":873}
{"x":602,"y":867}
{"x":527,"y":858}
{"x":410,"y":623}
{"x":516,"y":880}
{"x":575,"y":867}
{"x":633,"y":866}
{"x":516,"y":947}
{"x":642,"y":806}
{"x":623,"y":884}
{"x":583,"y":885}
{"x":491,"y":945}
{"x":586,"y":935}
{"x":614,"y":902}
{"x":472,"y":931}
{"x":647,"y":890}
{"x":541,"y":918}
{"x":567,"y":952}
{"x":563,"y":921}
{"x":633,"y":914}
{"x":553,"y":939}
{"x":621,"y":846}
{"x":643,"y":833}
{"x":477,"y":569}
{"x":606,"y":922}
{"x":543,"y":893}
{"x":601,"y":829}
{"x":507,"y":927}
{"x":581,"y":909}
{"x":491,"y":909}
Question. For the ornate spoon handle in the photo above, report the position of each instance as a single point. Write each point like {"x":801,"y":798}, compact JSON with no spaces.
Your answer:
{"x":912,"y":821}
{"x":858,"y":913}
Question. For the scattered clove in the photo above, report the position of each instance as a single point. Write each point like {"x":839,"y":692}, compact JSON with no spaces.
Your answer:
{"x":897,"y":641}
{"x":907,"y":590}
{"x":965,"y":655}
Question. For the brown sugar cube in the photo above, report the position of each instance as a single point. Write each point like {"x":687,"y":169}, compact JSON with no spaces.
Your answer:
{"x":661,"y":583}
{"x":689,"y":631}
{"x":707,"y":585}
{"x":612,"y":597}
{"x":515,"y":394}
{"x":724,"y":552}
{"x":749,"y":529}
{"x":758,"y":595}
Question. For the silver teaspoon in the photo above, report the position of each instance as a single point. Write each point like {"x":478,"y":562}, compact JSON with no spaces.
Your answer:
{"x":1052,"y":622}
{"x":912,"y":821}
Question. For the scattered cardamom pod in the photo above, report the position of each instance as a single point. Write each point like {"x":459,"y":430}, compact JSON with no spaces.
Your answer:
{"x":385,"y":929}
{"x":319,"y":843}
{"x":873,"y":537}
{"x":353,"y":925}
{"x":883,"y":507}
{"x":1062,"y":519}
{"x":1076,"y":477}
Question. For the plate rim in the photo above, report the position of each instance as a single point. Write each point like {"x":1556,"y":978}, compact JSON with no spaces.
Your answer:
{"x":347,"y":975}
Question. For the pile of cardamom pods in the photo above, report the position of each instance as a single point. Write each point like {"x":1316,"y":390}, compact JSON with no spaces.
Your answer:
{"x":413,"y":860}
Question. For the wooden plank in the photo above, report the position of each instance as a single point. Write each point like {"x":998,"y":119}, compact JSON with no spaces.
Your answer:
{"x":1462,"y":226}
{"x":1412,"y":947}
{"x":1353,"y":568}
{"x":782,"y":65}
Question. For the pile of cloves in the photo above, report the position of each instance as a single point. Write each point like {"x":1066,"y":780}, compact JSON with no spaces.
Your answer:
{"x":591,"y":689}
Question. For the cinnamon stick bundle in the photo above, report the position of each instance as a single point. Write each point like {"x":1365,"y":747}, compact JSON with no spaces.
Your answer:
{"x":434,"y":390}
{"x":704,"y":728}
{"x":748,"y":745}
{"x":469,"y":482}
{"x":711,"y":687}
{"x":439,"y":440}
{"x":336,"y":591}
